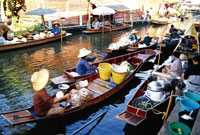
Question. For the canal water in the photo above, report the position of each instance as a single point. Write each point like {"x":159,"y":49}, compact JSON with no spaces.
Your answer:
{"x":17,"y":67}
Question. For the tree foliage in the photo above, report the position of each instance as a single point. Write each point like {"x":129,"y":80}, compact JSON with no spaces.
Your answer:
{"x":13,"y":7}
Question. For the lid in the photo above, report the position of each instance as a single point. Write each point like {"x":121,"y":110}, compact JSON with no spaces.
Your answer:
{"x":154,"y":86}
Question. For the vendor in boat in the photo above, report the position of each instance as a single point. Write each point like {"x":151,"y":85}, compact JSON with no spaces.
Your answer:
{"x":4,"y":29}
{"x":43,"y":103}
{"x":173,"y":65}
{"x":192,"y":74}
{"x":84,"y":67}
{"x":96,"y":24}
{"x":147,"y":39}
{"x":172,"y":29}
{"x":56,"y":29}
{"x":133,"y":37}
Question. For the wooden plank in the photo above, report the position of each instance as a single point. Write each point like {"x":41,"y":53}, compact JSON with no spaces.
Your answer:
{"x":18,"y":117}
{"x":97,"y":88}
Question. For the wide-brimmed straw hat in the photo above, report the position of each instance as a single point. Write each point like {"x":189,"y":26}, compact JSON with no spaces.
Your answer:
{"x":134,"y":31}
{"x":183,"y":57}
{"x":83,"y":52}
{"x":40,"y":79}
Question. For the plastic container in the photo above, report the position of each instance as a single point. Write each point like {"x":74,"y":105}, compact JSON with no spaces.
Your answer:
{"x":187,"y":104}
{"x":118,"y":78}
{"x":193,"y":95}
{"x":104,"y":71}
{"x":188,"y":122}
{"x":178,"y":128}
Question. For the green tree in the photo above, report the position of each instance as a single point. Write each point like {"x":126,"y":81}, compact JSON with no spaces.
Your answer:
{"x":13,"y":7}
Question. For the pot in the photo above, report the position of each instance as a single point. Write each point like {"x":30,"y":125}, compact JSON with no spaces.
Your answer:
{"x":155,"y":91}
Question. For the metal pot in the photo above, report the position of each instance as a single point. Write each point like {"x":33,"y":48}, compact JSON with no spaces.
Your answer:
{"x":155,"y":91}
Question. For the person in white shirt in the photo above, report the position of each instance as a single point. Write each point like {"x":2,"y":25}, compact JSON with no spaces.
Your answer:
{"x":96,"y":24}
{"x":173,"y":66}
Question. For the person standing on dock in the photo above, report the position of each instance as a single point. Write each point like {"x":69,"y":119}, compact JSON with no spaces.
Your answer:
{"x":43,"y":103}
{"x":84,"y":67}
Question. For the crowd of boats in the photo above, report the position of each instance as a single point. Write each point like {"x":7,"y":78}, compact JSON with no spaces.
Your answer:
{"x":87,"y":85}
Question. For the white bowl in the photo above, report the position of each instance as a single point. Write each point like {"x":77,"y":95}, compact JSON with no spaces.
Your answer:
{"x":63,"y":86}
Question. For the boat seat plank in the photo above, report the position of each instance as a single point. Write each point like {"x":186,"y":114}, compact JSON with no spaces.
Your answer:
{"x":130,"y":118}
{"x":98,"y":88}
{"x":18,"y":117}
{"x":59,"y":80}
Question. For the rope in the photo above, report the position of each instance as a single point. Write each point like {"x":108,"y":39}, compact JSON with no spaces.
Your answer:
{"x":157,"y":112}
{"x":168,"y":107}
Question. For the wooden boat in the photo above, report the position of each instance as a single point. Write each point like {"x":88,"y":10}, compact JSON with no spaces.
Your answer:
{"x":134,"y":115}
{"x":135,"y":48}
{"x":99,"y":90}
{"x":31,"y":43}
{"x":159,"y":21}
{"x":114,"y":28}
{"x":67,"y":77}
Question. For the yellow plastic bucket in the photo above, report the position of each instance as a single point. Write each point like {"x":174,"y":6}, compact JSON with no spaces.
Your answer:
{"x":118,"y":77}
{"x":104,"y":71}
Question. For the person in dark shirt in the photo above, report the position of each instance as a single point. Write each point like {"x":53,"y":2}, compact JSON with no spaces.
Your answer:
{"x":194,"y":69}
{"x":147,"y":39}
{"x":43,"y":103}
{"x":193,"y":75}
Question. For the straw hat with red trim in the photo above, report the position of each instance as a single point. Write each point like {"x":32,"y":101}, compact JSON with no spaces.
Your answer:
{"x":40,"y":79}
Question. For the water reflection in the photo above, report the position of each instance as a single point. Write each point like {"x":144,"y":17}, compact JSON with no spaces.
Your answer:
{"x":17,"y":67}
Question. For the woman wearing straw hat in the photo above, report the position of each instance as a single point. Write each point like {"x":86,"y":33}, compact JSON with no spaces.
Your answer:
{"x":56,"y":30}
{"x":84,"y":67}
{"x":133,"y":37}
{"x":43,"y":103}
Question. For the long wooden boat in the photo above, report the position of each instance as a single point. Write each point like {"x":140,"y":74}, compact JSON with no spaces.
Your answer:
{"x":159,"y":21}
{"x":133,"y":49}
{"x":68,"y":78}
{"x":134,"y":115}
{"x":31,"y":43}
{"x":114,"y":28}
{"x":99,"y":90}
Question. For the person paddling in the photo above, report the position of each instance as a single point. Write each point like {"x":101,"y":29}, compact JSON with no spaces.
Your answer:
{"x":43,"y":103}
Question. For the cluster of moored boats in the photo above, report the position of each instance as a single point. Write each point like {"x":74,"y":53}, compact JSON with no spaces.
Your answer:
{"x":92,"y":89}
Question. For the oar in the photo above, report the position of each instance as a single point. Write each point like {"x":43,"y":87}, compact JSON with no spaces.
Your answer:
{"x":89,"y":122}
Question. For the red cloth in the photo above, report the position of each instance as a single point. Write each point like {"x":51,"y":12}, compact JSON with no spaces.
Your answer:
{"x":42,"y":102}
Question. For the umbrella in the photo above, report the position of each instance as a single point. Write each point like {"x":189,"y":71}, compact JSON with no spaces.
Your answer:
{"x":103,"y":11}
{"x":41,"y":12}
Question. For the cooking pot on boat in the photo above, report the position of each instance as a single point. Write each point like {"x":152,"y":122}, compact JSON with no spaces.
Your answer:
{"x":155,"y":91}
